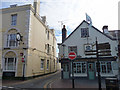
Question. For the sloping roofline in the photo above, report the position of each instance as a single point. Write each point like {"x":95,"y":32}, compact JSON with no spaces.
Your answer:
{"x":92,"y":27}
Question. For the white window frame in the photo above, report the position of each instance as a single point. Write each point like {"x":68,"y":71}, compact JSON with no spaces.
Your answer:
{"x":5,"y":68}
{"x":9,"y":41}
{"x":14,"y":19}
{"x":80,"y":64}
{"x":47,"y":64}
{"x":105,"y":63}
{"x":42,"y":64}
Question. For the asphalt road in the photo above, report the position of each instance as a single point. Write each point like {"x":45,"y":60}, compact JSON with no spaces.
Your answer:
{"x":40,"y":82}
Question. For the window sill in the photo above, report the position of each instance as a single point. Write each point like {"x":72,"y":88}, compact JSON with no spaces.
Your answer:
{"x":42,"y":68}
{"x":10,"y":47}
{"x":8,"y":70}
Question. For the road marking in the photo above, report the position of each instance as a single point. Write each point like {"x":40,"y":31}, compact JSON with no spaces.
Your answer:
{"x":53,"y":82}
{"x":11,"y":87}
{"x":4,"y":86}
{"x":50,"y":82}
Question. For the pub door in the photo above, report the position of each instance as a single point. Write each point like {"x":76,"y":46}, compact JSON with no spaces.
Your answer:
{"x":66,"y":71}
{"x":91,"y":70}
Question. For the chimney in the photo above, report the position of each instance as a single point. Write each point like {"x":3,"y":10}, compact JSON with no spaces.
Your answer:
{"x":105,"y":29}
{"x":64,"y":33}
{"x":12,"y":6}
{"x":43,"y":19}
{"x":36,"y":6}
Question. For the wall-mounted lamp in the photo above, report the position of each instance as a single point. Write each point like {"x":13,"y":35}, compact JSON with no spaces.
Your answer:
{"x":34,"y":49}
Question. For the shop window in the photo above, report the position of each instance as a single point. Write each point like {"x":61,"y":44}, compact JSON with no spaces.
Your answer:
{"x":79,"y":67}
{"x":109,"y":67}
{"x":105,"y":67}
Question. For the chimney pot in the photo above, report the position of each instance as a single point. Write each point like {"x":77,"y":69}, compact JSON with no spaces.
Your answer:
{"x":105,"y":29}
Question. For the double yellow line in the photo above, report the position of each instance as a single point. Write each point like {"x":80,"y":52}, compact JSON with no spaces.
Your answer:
{"x":50,"y":83}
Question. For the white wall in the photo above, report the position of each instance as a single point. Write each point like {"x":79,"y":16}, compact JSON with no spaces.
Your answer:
{"x":76,"y":40}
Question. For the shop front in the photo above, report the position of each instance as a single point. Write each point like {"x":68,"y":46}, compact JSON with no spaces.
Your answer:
{"x":85,"y":67}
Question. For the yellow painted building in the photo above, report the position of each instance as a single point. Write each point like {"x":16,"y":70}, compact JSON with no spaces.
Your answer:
{"x":28,"y":45}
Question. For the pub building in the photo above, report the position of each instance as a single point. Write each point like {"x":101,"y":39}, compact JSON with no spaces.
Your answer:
{"x":82,"y":41}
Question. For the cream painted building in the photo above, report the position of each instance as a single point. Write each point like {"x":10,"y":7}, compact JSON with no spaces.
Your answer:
{"x":28,"y":45}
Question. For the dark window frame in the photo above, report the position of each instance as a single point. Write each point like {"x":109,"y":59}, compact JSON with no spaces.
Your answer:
{"x":84,"y":32}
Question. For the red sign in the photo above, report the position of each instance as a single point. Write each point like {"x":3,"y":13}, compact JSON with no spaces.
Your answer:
{"x":23,"y":60}
{"x":72,"y":55}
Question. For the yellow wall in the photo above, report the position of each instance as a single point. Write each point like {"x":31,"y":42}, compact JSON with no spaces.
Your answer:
{"x":37,"y":40}
{"x":34,"y":34}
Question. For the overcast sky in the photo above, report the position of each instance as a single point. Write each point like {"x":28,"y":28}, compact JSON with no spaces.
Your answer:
{"x":72,"y":13}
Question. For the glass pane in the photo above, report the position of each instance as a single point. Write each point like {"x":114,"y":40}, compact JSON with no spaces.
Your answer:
{"x":14,"y":19}
{"x":15,"y":64}
{"x":79,"y":68}
{"x":83,"y":67}
{"x":103,"y":69}
{"x":74,"y":66}
{"x":5,"y":67}
{"x":12,"y":40}
{"x":42,"y":63}
{"x":10,"y":64}
{"x":109,"y":68}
